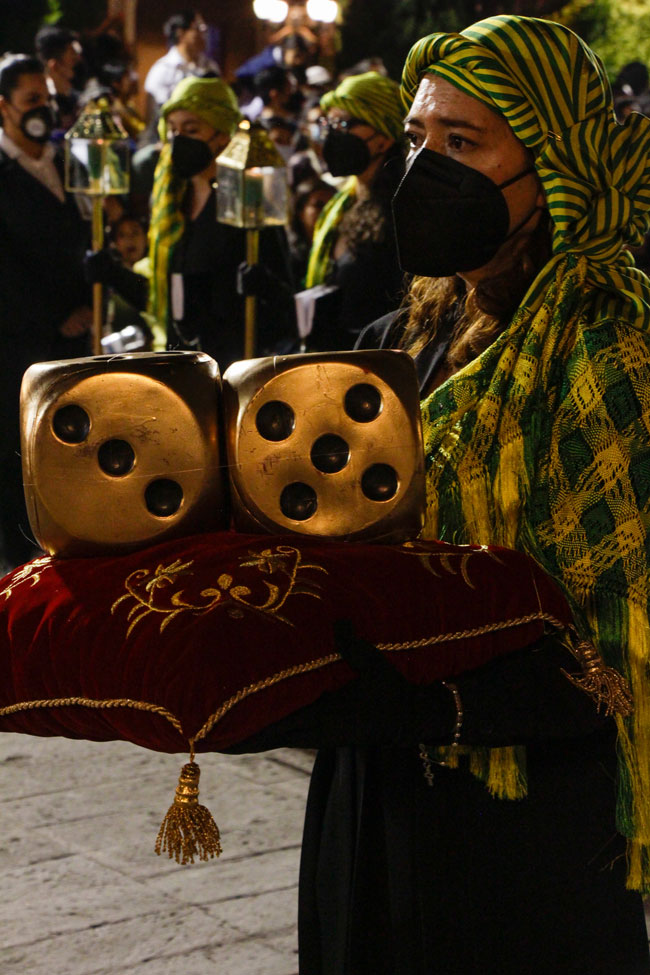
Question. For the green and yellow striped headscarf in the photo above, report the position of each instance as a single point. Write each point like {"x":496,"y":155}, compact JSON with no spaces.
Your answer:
{"x":553,"y":92}
{"x":542,"y":443}
{"x":370,"y":97}
{"x":377,"y":101}
{"x":213,"y":101}
{"x":210,"y":98}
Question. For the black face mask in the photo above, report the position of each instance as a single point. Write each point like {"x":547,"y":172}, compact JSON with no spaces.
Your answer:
{"x":345,"y":154}
{"x":37,"y":124}
{"x":190,"y":156}
{"x":449,"y":217}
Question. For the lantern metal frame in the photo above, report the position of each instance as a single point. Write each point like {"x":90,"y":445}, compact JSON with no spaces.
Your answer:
{"x":104,"y":172}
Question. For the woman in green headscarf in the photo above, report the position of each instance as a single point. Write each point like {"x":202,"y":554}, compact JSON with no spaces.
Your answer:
{"x":194,"y":260}
{"x":353,"y":248}
{"x":529,"y":323}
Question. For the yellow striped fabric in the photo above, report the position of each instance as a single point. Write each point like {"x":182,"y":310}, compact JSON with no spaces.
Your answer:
{"x":326,"y":232}
{"x":553,"y":92}
{"x":165,"y":230}
{"x":370,"y":97}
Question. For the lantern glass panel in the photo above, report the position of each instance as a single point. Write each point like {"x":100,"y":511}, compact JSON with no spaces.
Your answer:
{"x":97,"y":167}
{"x":252,"y":198}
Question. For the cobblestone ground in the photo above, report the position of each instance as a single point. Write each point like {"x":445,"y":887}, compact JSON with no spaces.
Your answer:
{"x":84,"y":892}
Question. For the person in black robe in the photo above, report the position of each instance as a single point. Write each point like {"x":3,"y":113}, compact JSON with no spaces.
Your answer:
{"x":410,"y":867}
{"x":44,"y":299}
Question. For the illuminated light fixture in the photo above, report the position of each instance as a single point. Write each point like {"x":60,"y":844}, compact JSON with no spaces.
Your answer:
{"x":97,"y":164}
{"x":252,"y":193}
{"x":275,"y":11}
{"x":324,"y":10}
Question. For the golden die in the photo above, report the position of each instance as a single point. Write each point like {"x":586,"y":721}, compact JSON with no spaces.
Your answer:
{"x":121,"y":451}
{"x":326,"y":444}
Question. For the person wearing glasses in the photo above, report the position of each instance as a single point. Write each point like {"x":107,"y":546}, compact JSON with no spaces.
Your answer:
{"x":186,"y":33}
{"x":353,"y":250}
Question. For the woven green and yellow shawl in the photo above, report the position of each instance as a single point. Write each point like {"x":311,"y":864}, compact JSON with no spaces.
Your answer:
{"x":543,"y":442}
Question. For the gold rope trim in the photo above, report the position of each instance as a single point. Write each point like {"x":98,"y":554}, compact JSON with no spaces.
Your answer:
{"x":267,"y":682}
{"x":86,"y":702}
{"x":477,"y":631}
{"x":259,"y":686}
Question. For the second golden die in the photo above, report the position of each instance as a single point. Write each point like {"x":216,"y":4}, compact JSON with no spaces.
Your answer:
{"x":326,"y":444}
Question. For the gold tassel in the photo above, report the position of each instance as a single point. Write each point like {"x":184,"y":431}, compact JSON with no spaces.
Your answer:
{"x":188,"y":829}
{"x":608,"y":688}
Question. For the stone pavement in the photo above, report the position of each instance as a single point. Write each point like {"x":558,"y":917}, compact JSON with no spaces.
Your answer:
{"x":85,"y":894}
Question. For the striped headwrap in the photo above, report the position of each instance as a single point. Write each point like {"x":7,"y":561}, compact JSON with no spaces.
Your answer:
{"x":376,"y":100}
{"x":543,"y":442}
{"x":553,"y":92}
{"x":370,"y":97}
{"x":213,"y":101}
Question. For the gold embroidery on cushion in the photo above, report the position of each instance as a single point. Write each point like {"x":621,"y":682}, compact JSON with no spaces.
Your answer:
{"x":158,"y":592}
{"x":29,"y":573}
{"x":427,"y":558}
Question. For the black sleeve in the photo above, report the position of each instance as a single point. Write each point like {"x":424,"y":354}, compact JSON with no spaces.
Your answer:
{"x":277,"y":327}
{"x":521,"y":698}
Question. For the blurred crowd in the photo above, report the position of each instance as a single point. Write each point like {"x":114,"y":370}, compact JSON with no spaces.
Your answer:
{"x":173,"y":276}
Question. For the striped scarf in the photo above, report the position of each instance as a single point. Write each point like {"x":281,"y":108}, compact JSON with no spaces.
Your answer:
{"x":326,"y":231}
{"x":166,"y":229}
{"x":543,"y":442}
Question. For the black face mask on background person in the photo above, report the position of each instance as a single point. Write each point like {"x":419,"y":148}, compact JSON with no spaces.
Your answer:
{"x":345,"y":154}
{"x":449,"y":217}
{"x":37,"y":124}
{"x":190,"y":156}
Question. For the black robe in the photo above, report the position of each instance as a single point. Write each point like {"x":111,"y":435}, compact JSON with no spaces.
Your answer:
{"x":399,"y":877}
{"x":42,"y":245}
{"x":208,"y":256}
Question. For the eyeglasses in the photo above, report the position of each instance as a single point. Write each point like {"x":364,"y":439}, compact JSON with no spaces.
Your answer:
{"x":340,"y":124}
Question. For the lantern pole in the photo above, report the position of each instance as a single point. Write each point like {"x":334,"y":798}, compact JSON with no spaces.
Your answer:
{"x":250,"y":310}
{"x":98,"y":298}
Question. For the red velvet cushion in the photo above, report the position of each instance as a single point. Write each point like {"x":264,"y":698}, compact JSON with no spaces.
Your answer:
{"x":240,"y":626}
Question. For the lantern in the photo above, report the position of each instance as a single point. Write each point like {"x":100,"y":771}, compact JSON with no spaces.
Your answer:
{"x":252,"y":193}
{"x":97,"y":164}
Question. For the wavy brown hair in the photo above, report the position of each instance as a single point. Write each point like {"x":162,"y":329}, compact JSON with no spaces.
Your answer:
{"x":484,"y":312}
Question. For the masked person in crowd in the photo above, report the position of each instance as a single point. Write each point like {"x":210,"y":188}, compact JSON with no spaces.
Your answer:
{"x":353,"y":249}
{"x":44,"y":300}
{"x":310,"y":197}
{"x":529,"y":849}
{"x":195,"y":259}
